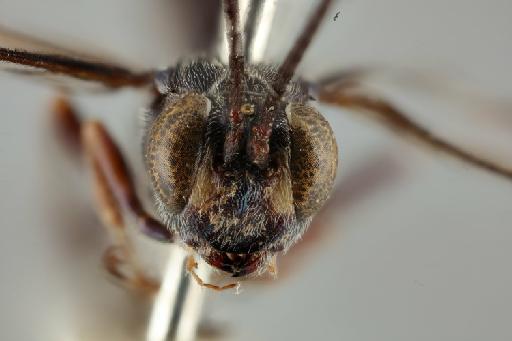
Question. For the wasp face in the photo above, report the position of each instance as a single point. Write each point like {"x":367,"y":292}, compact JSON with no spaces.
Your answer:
{"x":233,"y":196}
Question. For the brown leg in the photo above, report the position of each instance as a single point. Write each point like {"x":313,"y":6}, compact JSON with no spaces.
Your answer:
{"x":115,"y":180}
{"x":67,"y":123}
{"x":347,"y":95}
{"x":115,"y":193}
{"x":119,"y":259}
{"x":110,"y":75}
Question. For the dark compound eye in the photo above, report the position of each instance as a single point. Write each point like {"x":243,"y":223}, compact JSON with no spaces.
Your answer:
{"x":172,"y":148}
{"x":314,"y":159}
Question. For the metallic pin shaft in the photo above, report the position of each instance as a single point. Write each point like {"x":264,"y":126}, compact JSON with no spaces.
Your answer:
{"x":256,"y":17}
{"x":177,"y":307}
{"x":259,"y":15}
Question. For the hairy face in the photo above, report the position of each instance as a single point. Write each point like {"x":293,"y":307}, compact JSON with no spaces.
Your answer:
{"x":207,"y":174}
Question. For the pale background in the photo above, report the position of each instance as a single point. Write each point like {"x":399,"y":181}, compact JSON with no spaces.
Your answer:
{"x":422,"y":255}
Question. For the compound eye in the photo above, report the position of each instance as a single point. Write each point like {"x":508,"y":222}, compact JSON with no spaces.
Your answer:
{"x":314,"y":159}
{"x":172,"y":148}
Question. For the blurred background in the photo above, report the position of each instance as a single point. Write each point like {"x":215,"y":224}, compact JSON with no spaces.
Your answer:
{"x":413,"y":246}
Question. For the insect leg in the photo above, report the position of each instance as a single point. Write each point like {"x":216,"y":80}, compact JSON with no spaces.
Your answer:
{"x":67,"y":123}
{"x":110,"y":75}
{"x":115,"y":181}
{"x":114,"y":192}
{"x":398,"y":122}
{"x":119,"y":259}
